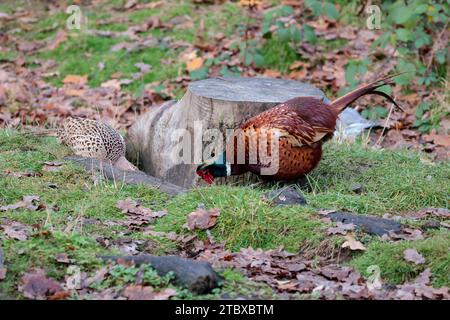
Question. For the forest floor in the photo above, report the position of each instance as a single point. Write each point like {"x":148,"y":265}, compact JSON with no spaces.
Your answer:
{"x":56,"y":219}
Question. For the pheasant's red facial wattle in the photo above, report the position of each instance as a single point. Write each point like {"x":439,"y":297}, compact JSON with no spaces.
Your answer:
{"x":206,"y":175}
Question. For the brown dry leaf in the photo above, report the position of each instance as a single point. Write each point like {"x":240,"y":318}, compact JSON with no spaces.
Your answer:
{"x":353,"y":244}
{"x":143,"y":67}
{"x":74,"y":92}
{"x":130,"y":206}
{"x":254,"y":4}
{"x":16,"y":231}
{"x":75,"y":79}
{"x":53,"y":166}
{"x":2,"y":273}
{"x":298,"y":65}
{"x":341,"y":228}
{"x":113,"y":83}
{"x":28,"y":202}
{"x":21,"y":174}
{"x":324,"y":212}
{"x":130,"y":4}
{"x":60,"y":37}
{"x":62,"y":258}
{"x":202,"y":219}
{"x":35,"y":285}
{"x":272,"y":73}
{"x":194,"y":64}
{"x":439,"y":139}
{"x":99,"y":276}
{"x":411,"y":255}
{"x":136,"y":292}
{"x":298,"y":74}
{"x":423,"y":213}
{"x":407,"y":234}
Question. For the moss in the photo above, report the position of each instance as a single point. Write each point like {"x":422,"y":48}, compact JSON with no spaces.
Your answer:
{"x":395,"y":269}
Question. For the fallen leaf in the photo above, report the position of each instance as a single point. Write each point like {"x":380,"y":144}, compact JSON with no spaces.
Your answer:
{"x":202,"y":219}
{"x":21,"y":174}
{"x":75,"y":79}
{"x":353,"y":244}
{"x":16,"y":231}
{"x":35,"y":285}
{"x":28,"y":202}
{"x":143,"y":67}
{"x":272,"y":73}
{"x":411,"y":255}
{"x":98,"y":277}
{"x":136,"y":292}
{"x":52,"y":166}
{"x":341,"y":228}
{"x":60,"y":37}
{"x":439,"y":139}
{"x":194,"y":64}
{"x":138,"y":215}
{"x":438,"y":212}
{"x":113,"y":83}
{"x":2,"y":273}
{"x":62,"y":258}
{"x":405,"y":234}
{"x":324,"y":212}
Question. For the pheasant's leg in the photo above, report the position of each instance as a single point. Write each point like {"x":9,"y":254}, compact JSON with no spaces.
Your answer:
{"x":124,"y":164}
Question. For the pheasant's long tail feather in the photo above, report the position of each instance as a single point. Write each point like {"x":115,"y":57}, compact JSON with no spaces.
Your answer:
{"x":341,"y":103}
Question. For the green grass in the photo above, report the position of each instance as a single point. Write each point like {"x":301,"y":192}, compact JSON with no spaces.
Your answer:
{"x":393,"y":267}
{"x":393,"y":182}
{"x":82,"y":53}
{"x":247,"y":220}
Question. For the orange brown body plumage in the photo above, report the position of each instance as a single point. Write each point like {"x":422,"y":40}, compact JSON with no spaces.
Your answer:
{"x":300,"y":125}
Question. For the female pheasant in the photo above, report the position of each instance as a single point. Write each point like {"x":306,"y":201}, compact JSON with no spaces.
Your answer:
{"x":90,"y":138}
{"x":301,"y":125}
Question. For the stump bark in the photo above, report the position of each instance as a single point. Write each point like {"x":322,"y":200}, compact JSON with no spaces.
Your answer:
{"x":221,"y":103}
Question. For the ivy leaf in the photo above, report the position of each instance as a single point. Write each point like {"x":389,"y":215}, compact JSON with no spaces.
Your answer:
{"x":386,"y":89}
{"x":404,"y":34}
{"x":440,"y":56}
{"x":295,"y":34}
{"x":259,"y":59}
{"x":309,"y":34}
{"x":406,"y":78}
{"x":381,"y":41}
{"x":199,"y":73}
{"x":331,"y":11}
{"x":401,"y":14}
{"x":421,"y":8}
{"x":284,"y":34}
{"x":315,"y":6}
{"x":422,"y":40}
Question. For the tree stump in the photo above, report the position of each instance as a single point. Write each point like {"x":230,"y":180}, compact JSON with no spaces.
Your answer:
{"x":217,"y":103}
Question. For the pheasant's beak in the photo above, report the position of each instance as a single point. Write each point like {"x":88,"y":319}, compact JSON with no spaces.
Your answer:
{"x":205,"y":174}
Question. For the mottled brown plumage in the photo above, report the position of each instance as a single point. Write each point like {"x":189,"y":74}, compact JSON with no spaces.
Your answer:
{"x":301,"y":126}
{"x":94,"y":139}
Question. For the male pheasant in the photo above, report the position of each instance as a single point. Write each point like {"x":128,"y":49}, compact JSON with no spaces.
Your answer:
{"x":94,"y":139}
{"x":301,"y":126}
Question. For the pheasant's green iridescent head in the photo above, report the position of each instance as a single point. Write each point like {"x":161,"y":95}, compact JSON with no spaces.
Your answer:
{"x":214,"y":168}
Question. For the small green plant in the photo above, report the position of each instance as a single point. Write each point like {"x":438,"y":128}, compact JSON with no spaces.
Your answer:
{"x":319,"y":8}
{"x":375,"y":113}
{"x":124,"y":274}
{"x":121,"y":274}
{"x":152,"y":278}
{"x":428,"y":117}
{"x":414,"y":28}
